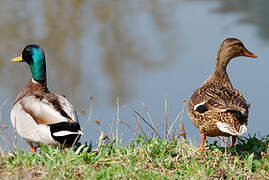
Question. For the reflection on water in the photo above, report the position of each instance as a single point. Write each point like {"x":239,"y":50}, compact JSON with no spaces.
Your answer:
{"x":125,"y":43}
{"x":125,"y":33}
{"x":254,"y":12}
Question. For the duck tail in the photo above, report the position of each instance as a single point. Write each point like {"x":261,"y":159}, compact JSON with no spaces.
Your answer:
{"x":224,"y":127}
{"x":66,"y":132}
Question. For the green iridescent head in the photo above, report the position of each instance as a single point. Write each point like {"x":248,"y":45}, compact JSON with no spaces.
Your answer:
{"x":34,"y":56}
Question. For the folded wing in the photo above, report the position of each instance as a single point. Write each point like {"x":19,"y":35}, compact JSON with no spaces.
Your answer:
{"x":48,"y":110}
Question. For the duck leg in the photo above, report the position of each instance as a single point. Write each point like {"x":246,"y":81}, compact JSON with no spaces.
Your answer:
{"x":203,"y":137}
{"x":33,"y":149}
{"x":233,"y":140}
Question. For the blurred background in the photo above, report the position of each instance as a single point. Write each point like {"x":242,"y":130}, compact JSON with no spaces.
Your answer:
{"x":139,"y":51}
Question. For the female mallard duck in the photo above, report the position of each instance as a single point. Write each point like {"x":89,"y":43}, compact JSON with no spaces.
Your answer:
{"x":39,"y":116}
{"x":216,"y":108}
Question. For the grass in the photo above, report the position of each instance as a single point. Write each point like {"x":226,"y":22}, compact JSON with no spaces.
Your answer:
{"x":144,"y":159}
{"x":159,"y":156}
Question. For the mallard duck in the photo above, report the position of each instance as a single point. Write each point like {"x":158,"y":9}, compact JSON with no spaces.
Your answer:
{"x":39,"y":116}
{"x":216,"y":108}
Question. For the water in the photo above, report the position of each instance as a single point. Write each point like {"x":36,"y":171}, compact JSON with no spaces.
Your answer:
{"x":137,"y":51}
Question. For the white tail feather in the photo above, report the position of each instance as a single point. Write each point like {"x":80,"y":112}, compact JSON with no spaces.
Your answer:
{"x":231,"y":130}
{"x":65,"y":133}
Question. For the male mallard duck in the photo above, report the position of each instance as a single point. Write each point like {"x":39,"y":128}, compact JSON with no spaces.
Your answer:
{"x":39,"y":116}
{"x":216,"y":108}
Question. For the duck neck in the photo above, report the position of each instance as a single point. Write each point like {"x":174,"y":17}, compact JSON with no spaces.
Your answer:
{"x":39,"y":71}
{"x":36,"y":86}
{"x":220,"y":73}
{"x":38,"y":66}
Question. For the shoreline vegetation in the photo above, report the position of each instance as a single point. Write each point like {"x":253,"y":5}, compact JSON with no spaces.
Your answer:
{"x":168,"y":156}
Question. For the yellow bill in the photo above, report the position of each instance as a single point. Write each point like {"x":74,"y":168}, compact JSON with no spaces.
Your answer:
{"x":17,"y":59}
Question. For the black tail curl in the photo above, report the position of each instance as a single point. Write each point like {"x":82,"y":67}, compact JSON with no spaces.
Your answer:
{"x":69,"y":139}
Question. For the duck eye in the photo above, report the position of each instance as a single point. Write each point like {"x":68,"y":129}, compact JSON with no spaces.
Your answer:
{"x":27,"y":56}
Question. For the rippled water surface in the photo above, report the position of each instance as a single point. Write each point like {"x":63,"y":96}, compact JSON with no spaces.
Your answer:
{"x":139,"y":51}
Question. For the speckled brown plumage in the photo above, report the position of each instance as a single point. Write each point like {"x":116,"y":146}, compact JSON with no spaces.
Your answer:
{"x":216,"y":101}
